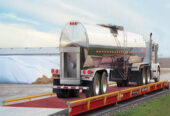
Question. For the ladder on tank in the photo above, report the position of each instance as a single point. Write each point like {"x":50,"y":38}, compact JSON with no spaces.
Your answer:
{"x":124,"y":46}
{"x":125,"y":54}
{"x":117,"y":41}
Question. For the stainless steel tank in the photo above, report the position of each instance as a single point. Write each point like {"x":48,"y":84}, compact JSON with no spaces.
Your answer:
{"x":87,"y":45}
{"x":93,"y":36}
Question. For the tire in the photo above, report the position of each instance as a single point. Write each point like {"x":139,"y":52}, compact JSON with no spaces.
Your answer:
{"x":158,"y":76}
{"x":59,"y":94}
{"x":89,"y":93}
{"x":96,"y":85}
{"x":93,"y":86}
{"x":148,"y":75}
{"x":103,"y":83}
{"x":63,"y":93}
{"x":142,"y":77}
{"x":74,"y":93}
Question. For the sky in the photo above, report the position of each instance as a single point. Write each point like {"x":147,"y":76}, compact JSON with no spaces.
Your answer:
{"x":38,"y":23}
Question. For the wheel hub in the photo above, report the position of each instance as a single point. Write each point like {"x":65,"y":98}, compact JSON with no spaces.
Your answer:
{"x":148,"y":78}
{"x":97,"y":88}
{"x":143,"y":78}
{"x":104,"y":85}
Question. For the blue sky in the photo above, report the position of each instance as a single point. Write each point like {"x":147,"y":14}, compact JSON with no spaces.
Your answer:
{"x":25,"y":23}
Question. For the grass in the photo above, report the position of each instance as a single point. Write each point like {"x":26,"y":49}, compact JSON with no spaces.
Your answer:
{"x":157,"y":107}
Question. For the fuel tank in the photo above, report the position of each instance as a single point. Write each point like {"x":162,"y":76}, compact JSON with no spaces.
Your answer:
{"x":103,"y":40}
{"x":99,"y":36}
{"x":94,"y":46}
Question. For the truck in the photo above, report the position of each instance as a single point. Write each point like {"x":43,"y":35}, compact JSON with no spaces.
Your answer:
{"x":93,"y":55}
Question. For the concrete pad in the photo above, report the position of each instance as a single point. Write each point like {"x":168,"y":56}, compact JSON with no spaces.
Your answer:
{"x":17,"y":111}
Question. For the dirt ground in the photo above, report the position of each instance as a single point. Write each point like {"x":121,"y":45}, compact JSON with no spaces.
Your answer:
{"x":43,"y":80}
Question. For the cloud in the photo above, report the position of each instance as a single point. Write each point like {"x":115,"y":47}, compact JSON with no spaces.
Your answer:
{"x":14,"y":17}
{"x":78,"y":10}
{"x":167,"y":5}
{"x":134,"y":16}
{"x":125,"y":15}
{"x":17,"y":35}
{"x":53,"y":12}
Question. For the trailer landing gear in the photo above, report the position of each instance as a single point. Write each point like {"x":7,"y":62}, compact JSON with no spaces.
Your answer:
{"x":123,"y":83}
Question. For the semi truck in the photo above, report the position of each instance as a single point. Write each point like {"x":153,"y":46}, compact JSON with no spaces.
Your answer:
{"x":92,"y":55}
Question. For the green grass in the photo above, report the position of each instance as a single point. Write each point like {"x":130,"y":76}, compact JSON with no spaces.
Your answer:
{"x":157,"y":107}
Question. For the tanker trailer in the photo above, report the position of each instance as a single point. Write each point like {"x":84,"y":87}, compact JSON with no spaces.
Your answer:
{"x":93,"y":55}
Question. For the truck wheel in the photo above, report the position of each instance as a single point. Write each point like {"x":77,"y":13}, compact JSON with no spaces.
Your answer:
{"x":158,"y":76}
{"x":103,"y":83}
{"x":148,"y":76}
{"x":96,"y":84}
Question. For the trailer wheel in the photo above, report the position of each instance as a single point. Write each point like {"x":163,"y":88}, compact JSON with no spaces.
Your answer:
{"x":158,"y":76}
{"x":96,"y":84}
{"x":63,"y":93}
{"x":148,"y":76}
{"x":94,"y":87}
{"x":89,"y":93}
{"x":59,"y":93}
{"x":103,"y":83}
{"x":142,"y":77}
{"x":74,"y":93}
